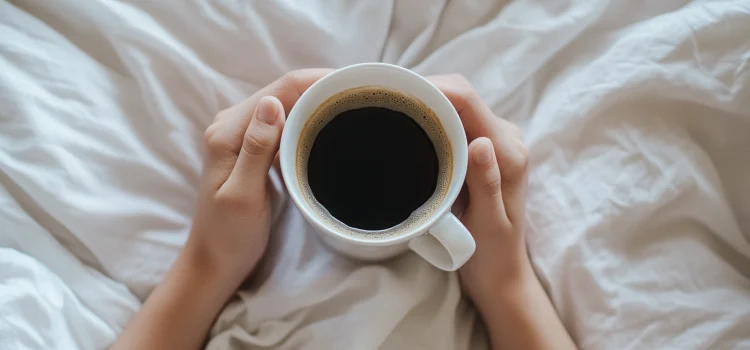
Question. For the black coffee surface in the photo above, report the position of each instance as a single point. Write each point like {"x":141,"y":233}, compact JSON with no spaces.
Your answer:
{"x":372,"y":167}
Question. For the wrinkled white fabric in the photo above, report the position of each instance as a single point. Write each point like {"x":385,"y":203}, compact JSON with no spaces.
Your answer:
{"x":636,"y":114}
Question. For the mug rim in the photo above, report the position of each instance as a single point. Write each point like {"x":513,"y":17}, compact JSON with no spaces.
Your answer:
{"x":288,"y":158}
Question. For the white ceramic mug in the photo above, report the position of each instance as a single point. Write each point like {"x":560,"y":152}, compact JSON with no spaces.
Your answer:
{"x":440,"y":239}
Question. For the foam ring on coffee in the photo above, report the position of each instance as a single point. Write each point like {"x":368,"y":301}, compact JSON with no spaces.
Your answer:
{"x":376,"y":96}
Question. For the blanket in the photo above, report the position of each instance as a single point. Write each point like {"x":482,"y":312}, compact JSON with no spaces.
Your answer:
{"x":636,"y":115}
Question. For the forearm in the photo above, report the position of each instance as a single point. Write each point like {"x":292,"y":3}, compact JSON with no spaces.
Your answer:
{"x":519,"y":315}
{"x":180,"y":311}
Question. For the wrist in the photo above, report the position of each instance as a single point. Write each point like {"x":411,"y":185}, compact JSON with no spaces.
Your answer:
{"x":197,"y":265}
{"x":180,"y":311}
{"x":520,"y":315}
{"x":508,"y":288}
{"x":511,"y":298}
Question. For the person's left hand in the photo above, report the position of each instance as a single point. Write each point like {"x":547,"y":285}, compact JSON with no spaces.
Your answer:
{"x":232,"y":223}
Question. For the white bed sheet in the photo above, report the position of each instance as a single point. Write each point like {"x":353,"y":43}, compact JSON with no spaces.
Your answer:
{"x":637,"y":116}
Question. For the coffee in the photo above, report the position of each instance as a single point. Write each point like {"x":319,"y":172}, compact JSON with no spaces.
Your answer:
{"x":371,"y":167}
{"x":371,"y":159}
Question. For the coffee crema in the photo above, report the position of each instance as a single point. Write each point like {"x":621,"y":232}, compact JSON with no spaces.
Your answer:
{"x":404,"y":128}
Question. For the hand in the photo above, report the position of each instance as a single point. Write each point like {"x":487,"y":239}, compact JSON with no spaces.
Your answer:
{"x":232,"y":223}
{"x":499,"y":277}
{"x":496,"y":179}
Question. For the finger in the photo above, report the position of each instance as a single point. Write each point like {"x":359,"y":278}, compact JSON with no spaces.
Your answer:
{"x":224,"y":138}
{"x":476,"y":116}
{"x":260,"y":143}
{"x":514,"y":165}
{"x":479,"y":121}
{"x":484,"y":181}
{"x":286,"y":89}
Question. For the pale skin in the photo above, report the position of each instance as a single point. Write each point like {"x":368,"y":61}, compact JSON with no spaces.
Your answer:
{"x":232,"y":224}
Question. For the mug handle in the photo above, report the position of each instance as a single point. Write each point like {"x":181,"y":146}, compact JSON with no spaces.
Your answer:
{"x":447,"y":245}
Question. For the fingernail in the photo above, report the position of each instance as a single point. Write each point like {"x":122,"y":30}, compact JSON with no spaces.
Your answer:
{"x":483,"y":151}
{"x":267,"y":110}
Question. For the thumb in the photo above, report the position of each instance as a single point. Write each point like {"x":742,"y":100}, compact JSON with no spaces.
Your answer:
{"x":483,"y":180}
{"x":259,"y":145}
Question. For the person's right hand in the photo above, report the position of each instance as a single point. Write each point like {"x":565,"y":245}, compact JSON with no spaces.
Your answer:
{"x":499,"y":277}
{"x":496,"y":179}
